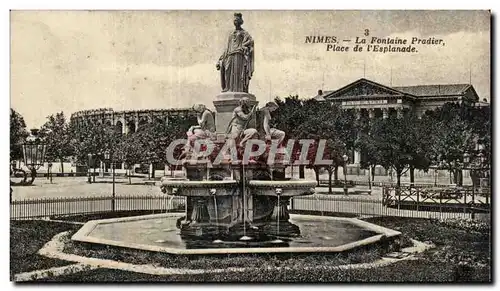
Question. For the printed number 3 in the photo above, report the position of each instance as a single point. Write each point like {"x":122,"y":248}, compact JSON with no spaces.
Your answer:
{"x":367,"y":32}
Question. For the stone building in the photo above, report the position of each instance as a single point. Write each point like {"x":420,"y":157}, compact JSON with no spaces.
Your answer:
{"x":129,"y":121}
{"x":372,"y":99}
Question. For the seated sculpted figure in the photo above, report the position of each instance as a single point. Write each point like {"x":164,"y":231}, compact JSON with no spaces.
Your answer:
{"x":205,"y":128}
{"x":238,"y":126}
{"x":271,"y":133}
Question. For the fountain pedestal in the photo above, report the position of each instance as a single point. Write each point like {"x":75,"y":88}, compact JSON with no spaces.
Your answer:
{"x":225,"y":103}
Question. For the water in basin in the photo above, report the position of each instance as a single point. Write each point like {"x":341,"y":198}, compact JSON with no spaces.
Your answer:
{"x":314,"y":232}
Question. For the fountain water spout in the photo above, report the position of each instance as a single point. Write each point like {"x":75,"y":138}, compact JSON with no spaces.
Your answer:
{"x":278,"y":192}
{"x":213,"y":192}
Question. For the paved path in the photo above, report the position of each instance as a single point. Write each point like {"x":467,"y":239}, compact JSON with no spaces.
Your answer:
{"x":78,"y":187}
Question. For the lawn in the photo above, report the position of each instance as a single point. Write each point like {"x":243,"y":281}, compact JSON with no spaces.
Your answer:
{"x":262,"y":261}
{"x":462,"y":254}
{"x":27,"y":237}
{"x":402,"y":272}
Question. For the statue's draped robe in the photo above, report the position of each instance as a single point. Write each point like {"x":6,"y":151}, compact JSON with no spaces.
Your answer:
{"x":237,"y":62}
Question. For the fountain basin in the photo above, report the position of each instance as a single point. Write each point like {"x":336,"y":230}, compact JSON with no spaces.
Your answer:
{"x":288,"y":188}
{"x":199,"y":188}
{"x":158,"y":233}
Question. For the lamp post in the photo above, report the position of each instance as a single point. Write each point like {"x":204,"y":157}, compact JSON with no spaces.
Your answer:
{"x":49,"y":168}
{"x":33,"y":153}
{"x":439,"y":166}
{"x":484,"y":178}
{"x":345,"y":158}
{"x":89,"y":156}
{"x":109,"y":157}
{"x":467,"y":162}
{"x":436,"y":176}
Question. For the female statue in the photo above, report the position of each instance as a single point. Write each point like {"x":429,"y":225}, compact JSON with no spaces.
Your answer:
{"x":236,"y":63}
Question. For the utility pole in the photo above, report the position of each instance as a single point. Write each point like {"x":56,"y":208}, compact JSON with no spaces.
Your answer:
{"x":391,"y":76}
{"x":470,"y":73}
{"x":364,"y":68}
{"x":323,"y":81}
{"x":270,"y":90}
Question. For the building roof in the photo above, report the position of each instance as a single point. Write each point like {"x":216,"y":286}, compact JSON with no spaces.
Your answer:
{"x":434,"y":90}
{"x":415,"y":92}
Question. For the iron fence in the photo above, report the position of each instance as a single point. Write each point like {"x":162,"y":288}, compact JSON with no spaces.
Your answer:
{"x":413,"y":203}
{"x":47,"y":207}
{"x":324,"y":183}
{"x":466,"y":199}
{"x":332,"y":205}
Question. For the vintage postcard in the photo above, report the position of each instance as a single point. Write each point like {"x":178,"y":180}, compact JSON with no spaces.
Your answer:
{"x":250,"y":146}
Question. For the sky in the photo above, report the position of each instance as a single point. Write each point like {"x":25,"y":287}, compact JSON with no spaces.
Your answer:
{"x":77,"y":60}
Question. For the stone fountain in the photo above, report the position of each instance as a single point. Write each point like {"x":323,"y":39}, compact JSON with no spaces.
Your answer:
{"x":236,"y":201}
{"x":234,"y":184}
{"x":234,"y":198}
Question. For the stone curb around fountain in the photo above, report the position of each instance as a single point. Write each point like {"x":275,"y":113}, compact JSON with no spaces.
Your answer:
{"x":53,"y":272}
{"x":83,"y":235}
{"x":54,"y":249}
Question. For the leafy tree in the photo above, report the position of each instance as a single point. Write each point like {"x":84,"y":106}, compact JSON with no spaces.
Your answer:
{"x":314,"y":120}
{"x":480,"y":122}
{"x":337,"y":127}
{"x":18,"y":135}
{"x":420,"y":149}
{"x":155,"y":137}
{"x":289,"y":116}
{"x":366,"y":145}
{"x":458,"y":135}
{"x":130,"y":150}
{"x":392,"y":143}
{"x":95,"y":138}
{"x":400,"y":143}
{"x":56,"y":135}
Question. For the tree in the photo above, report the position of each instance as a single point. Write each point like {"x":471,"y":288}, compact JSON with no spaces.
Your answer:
{"x":18,"y":135}
{"x":391,"y":141}
{"x":314,"y":120}
{"x":155,"y":137}
{"x":346,"y":130}
{"x":337,"y":127}
{"x":401,"y":143}
{"x":421,"y":149}
{"x":55,"y":133}
{"x":289,"y":116}
{"x":457,"y":136}
{"x":366,"y":145}
{"x":130,"y":150}
{"x":480,"y":121}
{"x":95,"y":138}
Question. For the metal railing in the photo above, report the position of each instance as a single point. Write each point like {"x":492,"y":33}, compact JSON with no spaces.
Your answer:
{"x":448,"y":197}
{"x":324,"y":183}
{"x":331,"y":205}
{"x":47,"y":207}
{"x":415,"y":203}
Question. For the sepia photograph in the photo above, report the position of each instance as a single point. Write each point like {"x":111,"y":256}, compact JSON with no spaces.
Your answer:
{"x":250,"y":146}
